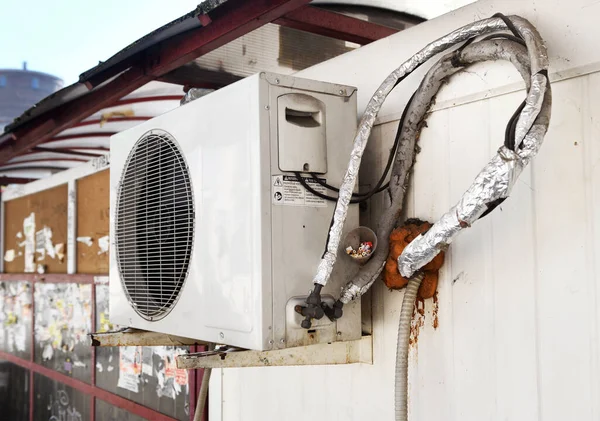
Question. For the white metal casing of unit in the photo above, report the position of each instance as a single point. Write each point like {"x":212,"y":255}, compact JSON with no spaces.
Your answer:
{"x":258,"y":236}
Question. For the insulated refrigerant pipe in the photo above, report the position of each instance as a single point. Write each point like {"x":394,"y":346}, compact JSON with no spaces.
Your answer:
{"x":465,"y":33}
{"x":496,"y":180}
{"x":450,"y":64}
{"x":439,"y":74}
{"x":493,"y":183}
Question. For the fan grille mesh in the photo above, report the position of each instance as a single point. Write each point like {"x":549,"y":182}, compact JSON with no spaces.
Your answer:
{"x":154,"y":227}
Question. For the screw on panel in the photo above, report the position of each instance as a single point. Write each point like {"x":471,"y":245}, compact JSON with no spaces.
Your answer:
{"x":271,"y":342}
{"x":282,"y":340}
{"x":221,"y":334}
{"x":277,"y":81}
{"x":267,"y":107}
{"x":341,"y":92}
{"x":339,"y":333}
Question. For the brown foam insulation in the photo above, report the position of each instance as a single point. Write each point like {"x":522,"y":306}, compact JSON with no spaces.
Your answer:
{"x":92,"y":221}
{"x":399,"y":239}
{"x":50,"y":209}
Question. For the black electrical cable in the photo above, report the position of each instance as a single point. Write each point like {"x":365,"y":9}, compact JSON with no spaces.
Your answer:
{"x":505,"y":36}
{"x":316,"y":179}
{"x":509,"y":128}
{"x":317,"y":193}
{"x":509,"y":133}
{"x":509,"y":25}
{"x":379,"y":187}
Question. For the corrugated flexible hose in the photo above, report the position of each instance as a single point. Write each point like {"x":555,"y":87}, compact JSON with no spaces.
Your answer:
{"x":410,"y":296}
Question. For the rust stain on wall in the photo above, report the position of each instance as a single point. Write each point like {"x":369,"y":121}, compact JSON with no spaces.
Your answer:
{"x":436,"y":306}
{"x":417,"y":322}
{"x":399,"y":239}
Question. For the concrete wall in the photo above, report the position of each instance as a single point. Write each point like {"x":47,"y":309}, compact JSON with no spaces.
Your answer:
{"x":518,"y":335}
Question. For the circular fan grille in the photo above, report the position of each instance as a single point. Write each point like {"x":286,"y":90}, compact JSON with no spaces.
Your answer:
{"x":154,"y":229}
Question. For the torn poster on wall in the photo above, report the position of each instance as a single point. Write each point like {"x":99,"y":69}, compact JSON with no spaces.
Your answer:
{"x":103,"y":244}
{"x":130,"y":368}
{"x":85,"y":240}
{"x":171,"y":380}
{"x":9,"y":256}
{"x":29,"y":242}
{"x":62,"y":318}
{"x":15,"y":316}
{"x":158,"y":370}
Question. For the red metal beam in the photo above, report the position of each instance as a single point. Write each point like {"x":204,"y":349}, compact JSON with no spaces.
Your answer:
{"x":80,"y":135}
{"x":26,"y":161}
{"x":88,"y":389}
{"x":334,"y":25}
{"x":32,"y":353}
{"x":50,"y":278}
{"x":93,"y":356}
{"x":9,"y":168}
{"x":100,"y":121}
{"x":126,"y":101}
{"x":14,"y":180}
{"x":66,"y":151}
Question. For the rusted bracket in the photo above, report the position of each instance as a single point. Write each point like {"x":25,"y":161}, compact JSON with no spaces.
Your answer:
{"x":349,"y":352}
{"x":135,"y":337}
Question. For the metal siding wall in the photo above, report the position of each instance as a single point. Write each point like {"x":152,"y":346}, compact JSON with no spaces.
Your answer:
{"x":518,"y":334}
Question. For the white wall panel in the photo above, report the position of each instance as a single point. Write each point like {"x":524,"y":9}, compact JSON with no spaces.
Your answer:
{"x":519,"y":313}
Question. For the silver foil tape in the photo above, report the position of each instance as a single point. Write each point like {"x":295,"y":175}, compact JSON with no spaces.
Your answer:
{"x":495,"y":181}
{"x":533,"y":105}
{"x":481,"y":27}
{"x":498,"y":177}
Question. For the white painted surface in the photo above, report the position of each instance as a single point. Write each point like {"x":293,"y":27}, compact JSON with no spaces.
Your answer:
{"x":249,"y":258}
{"x":518,"y":336}
{"x":427,"y":9}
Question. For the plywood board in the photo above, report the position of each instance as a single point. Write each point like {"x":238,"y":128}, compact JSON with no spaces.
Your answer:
{"x":92,"y":221}
{"x":50,"y":210}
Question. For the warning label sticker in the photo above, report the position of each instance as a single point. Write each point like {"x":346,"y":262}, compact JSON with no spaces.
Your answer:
{"x":287,"y":190}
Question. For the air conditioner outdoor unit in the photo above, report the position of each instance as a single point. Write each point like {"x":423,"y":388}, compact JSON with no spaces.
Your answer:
{"x":212,"y":236}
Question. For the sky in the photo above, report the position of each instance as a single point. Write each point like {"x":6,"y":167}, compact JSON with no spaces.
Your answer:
{"x":67,"y":37}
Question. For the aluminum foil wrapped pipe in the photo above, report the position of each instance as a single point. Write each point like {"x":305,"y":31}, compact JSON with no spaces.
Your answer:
{"x":478,"y":28}
{"x":419,"y":106}
{"x":498,"y":177}
{"x":439,"y":73}
{"x":494,"y":182}
{"x":401,"y":389}
{"x":538,"y":59}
